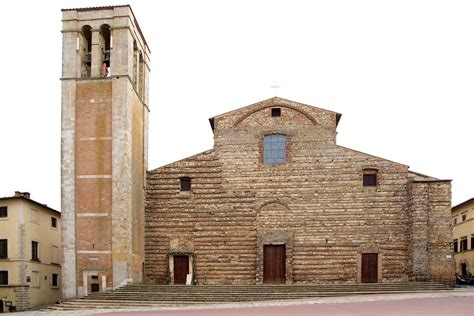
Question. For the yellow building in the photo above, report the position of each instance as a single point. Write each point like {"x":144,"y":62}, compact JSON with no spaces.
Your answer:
{"x":30,"y":259}
{"x":463,"y":236}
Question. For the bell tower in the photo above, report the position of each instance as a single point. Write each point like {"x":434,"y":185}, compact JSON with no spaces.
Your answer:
{"x":104,"y":131}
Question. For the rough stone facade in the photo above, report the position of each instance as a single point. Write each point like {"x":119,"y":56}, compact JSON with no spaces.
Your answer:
{"x":315,"y":204}
{"x":104,"y":154}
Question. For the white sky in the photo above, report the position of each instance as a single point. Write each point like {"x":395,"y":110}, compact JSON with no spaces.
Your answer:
{"x":400,"y":72}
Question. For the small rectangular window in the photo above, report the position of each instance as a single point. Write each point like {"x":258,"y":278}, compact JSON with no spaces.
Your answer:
{"x":3,"y":211}
{"x":3,"y":277}
{"x":370,"y":180}
{"x":34,"y":251}
{"x":3,"y":248}
{"x":185,"y":184}
{"x":276,"y":112}
{"x":455,"y":221}
{"x":455,"y":244}
{"x":54,"y":222}
{"x":472,"y":242}
{"x":54,"y":280}
{"x":463,"y":217}
{"x":463,"y":244}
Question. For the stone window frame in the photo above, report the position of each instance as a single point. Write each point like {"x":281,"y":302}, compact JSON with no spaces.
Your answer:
{"x":275,"y":111}
{"x":463,"y":244}
{"x":35,"y":251}
{"x":285,"y":149}
{"x":185,"y":184}
{"x":6,"y":271}
{"x":55,"y":286}
{"x":3,"y":210}
{"x":455,"y":246}
{"x":6,"y":248}
{"x":464,"y":217}
{"x":54,"y":222}
{"x":370,"y":171}
{"x":455,"y":220}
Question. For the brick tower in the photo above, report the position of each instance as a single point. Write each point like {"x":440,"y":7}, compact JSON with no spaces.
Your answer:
{"x":103,"y":147}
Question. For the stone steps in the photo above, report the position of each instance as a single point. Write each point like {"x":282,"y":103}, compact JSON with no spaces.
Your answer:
{"x":150,"y":295}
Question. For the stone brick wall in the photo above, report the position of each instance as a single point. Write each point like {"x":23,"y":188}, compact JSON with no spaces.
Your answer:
{"x":314,"y":203}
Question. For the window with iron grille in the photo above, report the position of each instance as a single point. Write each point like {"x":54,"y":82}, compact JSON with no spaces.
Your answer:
{"x":274,"y":151}
{"x":3,"y":248}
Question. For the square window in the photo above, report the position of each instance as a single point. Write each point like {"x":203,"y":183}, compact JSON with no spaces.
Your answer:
{"x":3,"y":277}
{"x":276,"y":112}
{"x":370,"y":180}
{"x":185,"y":184}
{"x":3,"y":248}
{"x":34,"y":251}
{"x":3,"y":211}
{"x":54,"y":222}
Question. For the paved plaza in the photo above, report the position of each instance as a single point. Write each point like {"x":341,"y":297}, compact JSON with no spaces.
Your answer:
{"x":456,"y":302}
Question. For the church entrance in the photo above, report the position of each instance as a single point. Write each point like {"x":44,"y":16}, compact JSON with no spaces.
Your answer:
{"x":181,"y":269}
{"x":369,"y":268}
{"x":274,"y":270}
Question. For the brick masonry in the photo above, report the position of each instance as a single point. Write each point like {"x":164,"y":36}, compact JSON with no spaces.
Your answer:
{"x":104,"y":130}
{"x":314,"y":203}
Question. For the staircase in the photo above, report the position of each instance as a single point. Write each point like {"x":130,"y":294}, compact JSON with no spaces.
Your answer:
{"x":153,"y":295}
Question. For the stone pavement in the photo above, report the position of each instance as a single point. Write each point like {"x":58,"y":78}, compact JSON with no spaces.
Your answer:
{"x":456,"y":302}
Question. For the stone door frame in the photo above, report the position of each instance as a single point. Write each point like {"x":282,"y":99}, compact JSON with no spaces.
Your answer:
{"x":171,"y":256}
{"x":275,"y":238}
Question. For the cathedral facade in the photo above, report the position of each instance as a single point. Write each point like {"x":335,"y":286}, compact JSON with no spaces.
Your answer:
{"x":275,"y":201}
{"x":278,"y":201}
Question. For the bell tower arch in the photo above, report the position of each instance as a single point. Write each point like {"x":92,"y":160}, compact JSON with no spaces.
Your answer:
{"x":104,"y":130}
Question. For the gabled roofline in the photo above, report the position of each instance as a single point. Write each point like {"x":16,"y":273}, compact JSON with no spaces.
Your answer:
{"x":455,"y":208}
{"x":211,"y":120}
{"x":29,"y":200}
{"x":209,"y":151}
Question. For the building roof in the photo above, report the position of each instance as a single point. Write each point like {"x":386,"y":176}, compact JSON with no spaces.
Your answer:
{"x":111,"y":7}
{"x":274,"y":100}
{"x":19,"y":197}
{"x":455,"y":208}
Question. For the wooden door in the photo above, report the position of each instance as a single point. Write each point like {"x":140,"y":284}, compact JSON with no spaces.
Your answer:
{"x":369,"y":268}
{"x":181,"y":269}
{"x":274,"y":258}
